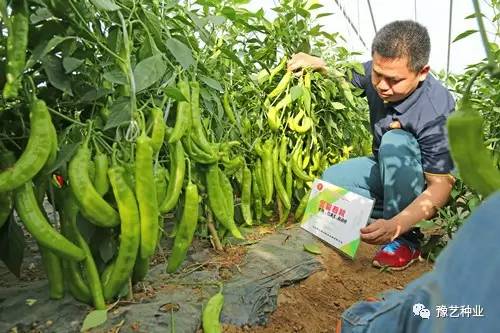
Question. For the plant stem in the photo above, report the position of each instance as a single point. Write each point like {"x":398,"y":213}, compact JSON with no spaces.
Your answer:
{"x":484,"y":36}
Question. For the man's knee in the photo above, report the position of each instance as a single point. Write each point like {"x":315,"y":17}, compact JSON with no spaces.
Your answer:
{"x":333,"y":174}
{"x":398,"y":142}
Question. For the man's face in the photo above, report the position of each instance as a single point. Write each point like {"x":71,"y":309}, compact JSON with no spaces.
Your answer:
{"x":392,"y":78}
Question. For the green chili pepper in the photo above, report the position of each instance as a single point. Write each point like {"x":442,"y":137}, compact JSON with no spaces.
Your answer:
{"x":474,"y":162}
{"x":283,"y":150}
{"x":217,"y":190}
{"x":198,"y":154}
{"x":183,"y":116}
{"x":36,"y":223}
{"x":68,"y":216}
{"x":227,"y":191}
{"x":246,"y":195}
{"x":92,"y":205}
{"x":74,"y":281}
{"x":160,"y":175}
{"x":277,"y":69}
{"x":198,"y":133}
{"x":257,"y":197}
{"x":267,"y":170}
{"x":273,"y":118}
{"x":306,"y":156}
{"x":52,"y":265}
{"x":141,"y":269}
{"x":129,"y":233}
{"x":289,"y":189}
{"x":260,"y":178}
{"x":146,"y":196}
{"x":17,"y":42}
{"x":6,"y":205}
{"x":158,"y":131}
{"x":36,"y":152}
{"x":297,"y":166}
{"x":300,"y":123}
{"x":280,"y":189}
{"x":176,"y":179}
{"x":285,"y":80}
{"x":227,"y":108}
{"x":306,"y":95}
{"x":299,"y":212}
{"x":186,"y":228}
{"x":211,"y":314}
{"x":101,"y":181}
{"x":7,"y":160}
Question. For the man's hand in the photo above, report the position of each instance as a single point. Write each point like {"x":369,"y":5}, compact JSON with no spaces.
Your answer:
{"x":301,"y":60}
{"x":380,"y":232}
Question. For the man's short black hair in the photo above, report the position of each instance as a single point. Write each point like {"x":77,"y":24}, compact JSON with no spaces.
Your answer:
{"x":400,"y":39}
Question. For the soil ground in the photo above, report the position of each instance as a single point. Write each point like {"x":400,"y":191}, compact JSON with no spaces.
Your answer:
{"x":316,"y":303}
{"x":313,"y":305}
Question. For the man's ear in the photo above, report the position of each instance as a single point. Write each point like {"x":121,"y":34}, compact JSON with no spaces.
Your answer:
{"x":422,"y":74}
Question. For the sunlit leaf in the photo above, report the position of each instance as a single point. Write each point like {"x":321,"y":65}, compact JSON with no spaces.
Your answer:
{"x":70,"y":64}
{"x":175,"y":94}
{"x":107,"y":5}
{"x":116,"y":76}
{"x":149,"y":71}
{"x":119,"y":113}
{"x":181,"y":52}
{"x":211,"y":82}
{"x":55,"y":73}
{"x":464,"y":34}
{"x":94,"y":319}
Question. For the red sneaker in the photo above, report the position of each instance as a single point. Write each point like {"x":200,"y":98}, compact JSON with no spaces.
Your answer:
{"x":397,"y":255}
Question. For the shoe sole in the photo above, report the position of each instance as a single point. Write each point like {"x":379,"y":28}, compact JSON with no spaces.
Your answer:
{"x":378,"y":265}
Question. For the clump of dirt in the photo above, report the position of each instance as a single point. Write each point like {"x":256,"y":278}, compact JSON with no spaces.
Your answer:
{"x":315,"y":304}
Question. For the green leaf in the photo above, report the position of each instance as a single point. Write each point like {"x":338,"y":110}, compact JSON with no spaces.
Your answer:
{"x":12,"y":246}
{"x":107,"y":250}
{"x":65,"y":153}
{"x":229,"y":12}
{"x":302,"y":12}
{"x":149,"y":71}
{"x":315,"y":6}
{"x":181,"y":52}
{"x":323,"y":15}
{"x":426,"y":224}
{"x":217,"y":20}
{"x":107,"y":5}
{"x":175,"y":94}
{"x":55,"y":74}
{"x":31,"y":301}
{"x":338,"y":106}
{"x":119,"y":113}
{"x":93,"y":94}
{"x":230,"y":54}
{"x":70,"y":64}
{"x":473,"y":15}
{"x":358,"y":67}
{"x":312,"y":248}
{"x":296,"y":92}
{"x":94,"y":319}
{"x":42,"y":49}
{"x":40,"y":15}
{"x":116,"y":76}
{"x":464,"y":34}
{"x":211,"y":82}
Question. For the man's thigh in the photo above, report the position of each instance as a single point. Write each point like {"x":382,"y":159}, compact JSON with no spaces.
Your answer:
{"x":360,"y":175}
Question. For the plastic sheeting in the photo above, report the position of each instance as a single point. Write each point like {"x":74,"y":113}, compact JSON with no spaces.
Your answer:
{"x":251,"y":293}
